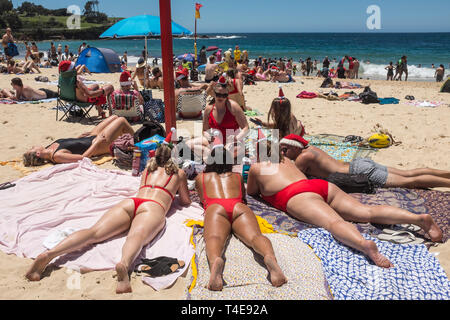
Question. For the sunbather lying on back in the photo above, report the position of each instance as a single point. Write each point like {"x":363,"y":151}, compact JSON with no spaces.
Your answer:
{"x":314,"y":162}
{"x":23,"y":67}
{"x":5,"y":94}
{"x":90,"y":144}
{"x":26,"y":93}
{"x":92,"y":94}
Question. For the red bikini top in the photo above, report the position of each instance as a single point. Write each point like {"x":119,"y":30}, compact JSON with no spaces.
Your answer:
{"x":158,"y":187}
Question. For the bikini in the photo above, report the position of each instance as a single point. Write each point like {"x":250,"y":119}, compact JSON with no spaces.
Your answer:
{"x":281,"y":199}
{"x":228,"y":122}
{"x":227,"y":204}
{"x":235,"y":90}
{"x":139,"y":201}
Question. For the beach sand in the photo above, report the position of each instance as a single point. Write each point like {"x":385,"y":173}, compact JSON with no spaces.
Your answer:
{"x":424,"y":133}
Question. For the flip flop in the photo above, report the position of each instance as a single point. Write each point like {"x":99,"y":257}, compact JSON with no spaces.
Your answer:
{"x":403,"y":227}
{"x":400,"y":237}
{"x":6,"y":185}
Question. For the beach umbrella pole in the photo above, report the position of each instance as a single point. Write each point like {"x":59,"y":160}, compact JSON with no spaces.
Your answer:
{"x":167,"y":58}
{"x":145,"y":70}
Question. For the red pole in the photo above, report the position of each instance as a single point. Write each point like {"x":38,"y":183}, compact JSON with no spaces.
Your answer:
{"x":167,"y":58}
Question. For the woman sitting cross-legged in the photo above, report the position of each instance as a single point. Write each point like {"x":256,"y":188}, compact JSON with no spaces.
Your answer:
{"x":90,"y":144}
{"x":143,"y":217}
{"x":222,"y":193}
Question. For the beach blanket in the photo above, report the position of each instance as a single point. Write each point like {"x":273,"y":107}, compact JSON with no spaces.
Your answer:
{"x":389,"y":100}
{"x":417,"y":274}
{"x":336,"y":147}
{"x":6,"y":101}
{"x":75,"y":196}
{"x":307,"y":95}
{"x":425,"y":103}
{"x":245,"y":276}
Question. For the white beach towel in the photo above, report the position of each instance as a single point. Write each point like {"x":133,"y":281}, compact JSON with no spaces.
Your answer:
{"x":75,"y":196}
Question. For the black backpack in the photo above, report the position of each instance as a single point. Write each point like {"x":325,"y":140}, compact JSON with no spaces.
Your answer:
{"x":148,"y":130}
{"x":352,"y":183}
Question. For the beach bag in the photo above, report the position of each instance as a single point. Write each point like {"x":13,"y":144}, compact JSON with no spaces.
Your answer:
{"x":122,"y":150}
{"x":380,"y":140}
{"x":194,"y":75}
{"x":352,"y":183}
{"x":154,"y":110}
{"x":368,"y":96}
{"x":327,"y":83}
{"x":148,"y":130}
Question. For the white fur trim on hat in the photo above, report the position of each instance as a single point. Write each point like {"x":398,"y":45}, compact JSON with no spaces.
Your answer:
{"x":292,"y":143}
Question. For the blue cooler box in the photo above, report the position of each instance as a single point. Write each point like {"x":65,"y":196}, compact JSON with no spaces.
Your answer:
{"x":146,"y":146}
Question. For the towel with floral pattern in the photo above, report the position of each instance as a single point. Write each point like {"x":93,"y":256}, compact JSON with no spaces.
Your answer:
{"x":417,"y":274}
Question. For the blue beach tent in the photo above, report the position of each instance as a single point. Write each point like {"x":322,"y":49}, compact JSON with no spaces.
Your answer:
{"x":100,"y":60}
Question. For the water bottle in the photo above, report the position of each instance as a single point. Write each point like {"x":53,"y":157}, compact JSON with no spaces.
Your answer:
{"x":246,"y":164}
{"x":136,"y":166}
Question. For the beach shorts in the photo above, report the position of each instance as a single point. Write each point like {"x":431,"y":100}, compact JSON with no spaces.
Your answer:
{"x":50,"y":94}
{"x":376,"y":173}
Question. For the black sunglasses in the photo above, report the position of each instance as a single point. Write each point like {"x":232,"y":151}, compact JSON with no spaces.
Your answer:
{"x":221,"y":95}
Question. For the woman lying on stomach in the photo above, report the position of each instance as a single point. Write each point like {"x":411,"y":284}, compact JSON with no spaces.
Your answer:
{"x":143,"y":217}
{"x":91,"y":144}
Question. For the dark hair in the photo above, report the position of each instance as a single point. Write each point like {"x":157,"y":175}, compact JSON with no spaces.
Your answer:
{"x":155,"y":71}
{"x":17,"y":82}
{"x":223,"y":156}
{"x":231,"y":73}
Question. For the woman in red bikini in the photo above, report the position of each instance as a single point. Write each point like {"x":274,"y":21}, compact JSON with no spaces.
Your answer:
{"x":224,"y":115}
{"x":143,"y":217}
{"x":222,"y":193}
{"x":323,"y":204}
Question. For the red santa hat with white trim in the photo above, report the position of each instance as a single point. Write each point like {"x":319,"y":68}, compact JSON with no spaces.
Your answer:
{"x":168,"y":139}
{"x":281,"y":93}
{"x":223,"y":80}
{"x":125,"y":79}
{"x":294,"y":141}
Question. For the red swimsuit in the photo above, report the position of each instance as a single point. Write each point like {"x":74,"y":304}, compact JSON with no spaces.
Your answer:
{"x":228,"y":122}
{"x":139,"y":201}
{"x":227,"y":204}
{"x":281,"y":199}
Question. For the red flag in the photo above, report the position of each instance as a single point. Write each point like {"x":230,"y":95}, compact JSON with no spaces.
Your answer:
{"x":197,"y":10}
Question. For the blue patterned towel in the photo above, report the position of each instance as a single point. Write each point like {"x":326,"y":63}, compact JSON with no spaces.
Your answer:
{"x":417,"y":274}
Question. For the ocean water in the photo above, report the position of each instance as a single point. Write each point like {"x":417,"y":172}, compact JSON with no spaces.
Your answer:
{"x":378,"y":49}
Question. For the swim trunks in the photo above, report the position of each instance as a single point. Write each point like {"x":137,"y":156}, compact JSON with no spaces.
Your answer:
{"x":376,"y":173}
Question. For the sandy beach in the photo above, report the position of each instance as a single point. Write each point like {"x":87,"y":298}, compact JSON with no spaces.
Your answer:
{"x":424,"y":134}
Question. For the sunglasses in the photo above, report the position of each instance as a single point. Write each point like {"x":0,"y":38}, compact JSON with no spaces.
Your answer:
{"x":221,"y":95}
{"x":284,"y":150}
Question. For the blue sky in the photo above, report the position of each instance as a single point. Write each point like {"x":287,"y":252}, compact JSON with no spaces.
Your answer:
{"x":234,"y":16}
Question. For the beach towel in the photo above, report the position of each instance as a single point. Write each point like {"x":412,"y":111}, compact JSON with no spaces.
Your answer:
{"x":246,"y":278}
{"x":6,"y":101}
{"x":417,"y":274}
{"x":307,"y":95}
{"x":389,"y":100}
{"x":425,"y":103}
{"x":75,"y":196}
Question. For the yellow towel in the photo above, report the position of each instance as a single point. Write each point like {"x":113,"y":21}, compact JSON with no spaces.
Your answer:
{"x":17,"y":164}
{"x":264,"y":226}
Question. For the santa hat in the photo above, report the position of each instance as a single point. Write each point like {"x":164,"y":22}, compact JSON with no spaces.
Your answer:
{"x":223,"y":80}
{"x":281,"y":93}
{"x":217,"y":141}
{"x":184,"y":73}
{"x":66,"y":66}
{"x":294,"y":141}
{"x":125,"y":79}
{"x":168,"y":139}
{"x":261,"y":136}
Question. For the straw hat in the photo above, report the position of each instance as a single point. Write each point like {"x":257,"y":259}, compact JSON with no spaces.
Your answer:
{"x":141,"y":63}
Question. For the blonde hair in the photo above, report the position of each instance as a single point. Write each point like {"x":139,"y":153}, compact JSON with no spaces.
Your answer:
{"x":163,"y":159}
{"x":30,"y":159}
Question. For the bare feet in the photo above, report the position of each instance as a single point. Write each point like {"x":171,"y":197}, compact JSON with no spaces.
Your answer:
{"x":123,"y":280}
{"x":38,"y":267}
{"x":277,"y":278}
{"x":370,"y":249}
{"x":215,"y":280}
{"x":431,"y":228}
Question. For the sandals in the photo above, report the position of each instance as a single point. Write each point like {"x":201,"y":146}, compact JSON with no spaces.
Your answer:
{"x":353,"y":139}
{"x":160,"y":266}
{"x":404,"y":227}
{"x":400,"y":237}
{"x":410,"y":98}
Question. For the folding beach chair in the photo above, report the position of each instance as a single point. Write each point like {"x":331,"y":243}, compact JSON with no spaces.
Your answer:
{"x":126,"y":105}
{"x":191,"y":104}
{"x":67,"y":101}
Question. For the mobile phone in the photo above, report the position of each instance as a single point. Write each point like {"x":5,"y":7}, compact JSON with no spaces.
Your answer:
{"x":255,"y":121}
